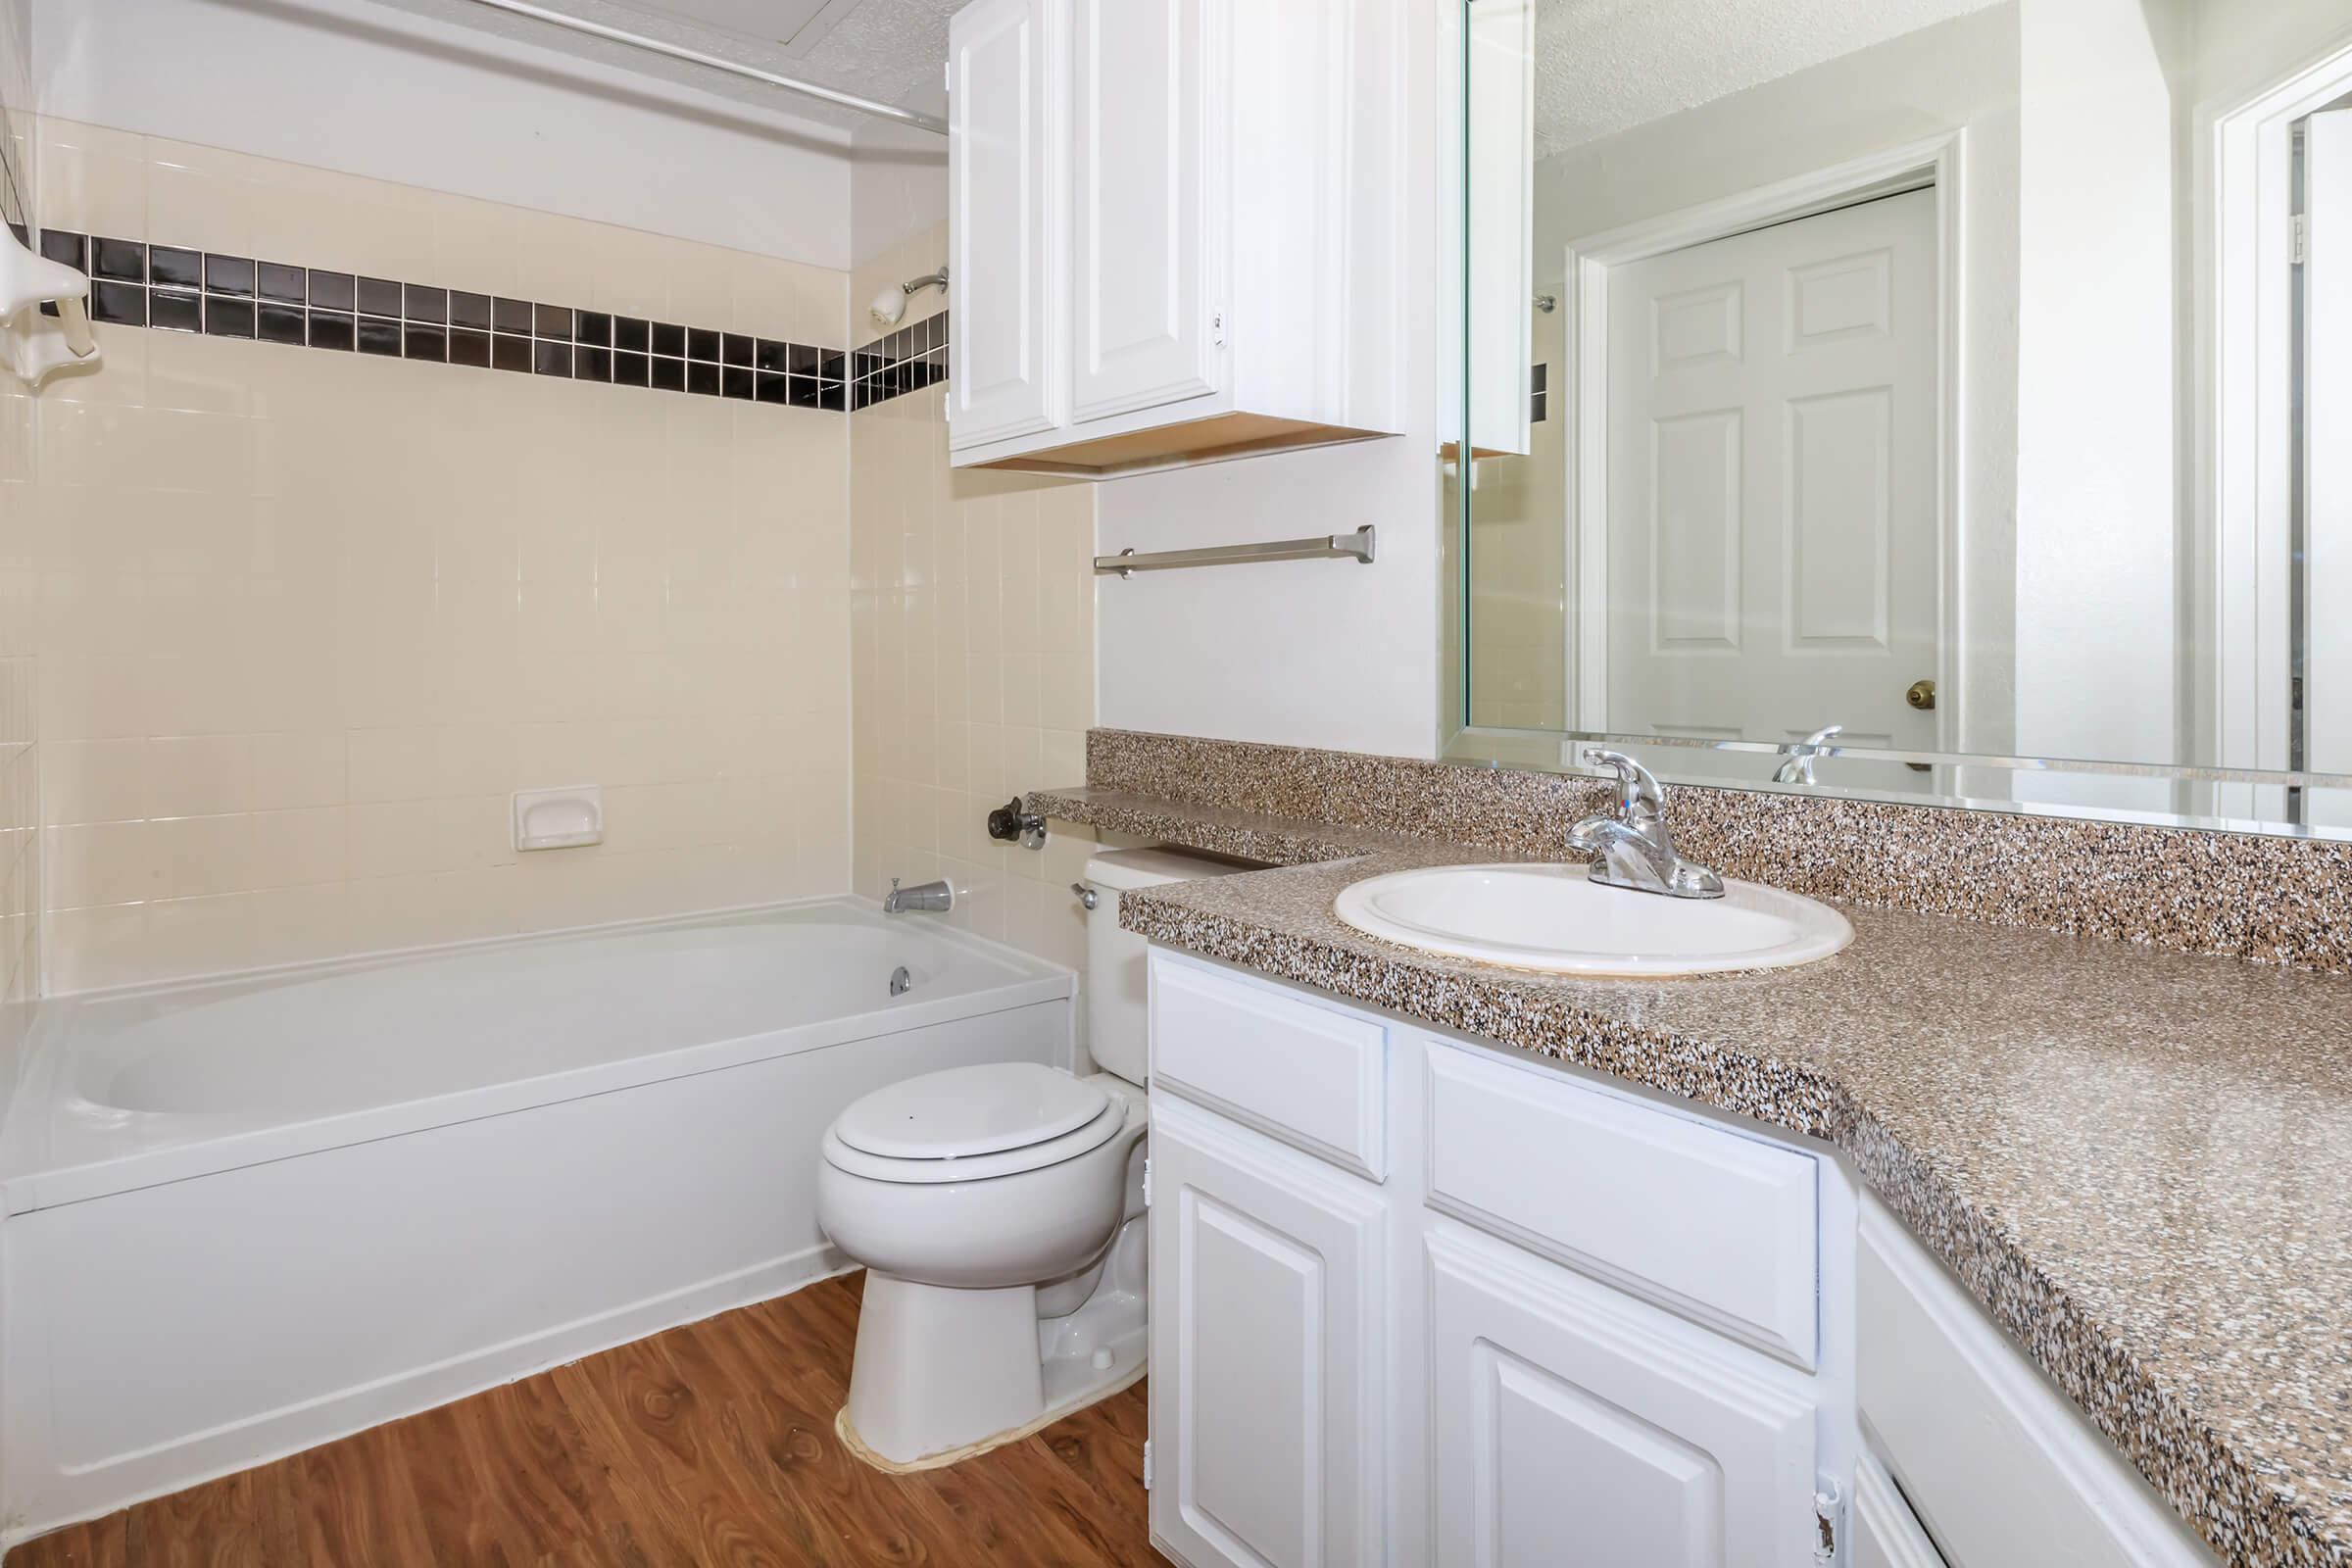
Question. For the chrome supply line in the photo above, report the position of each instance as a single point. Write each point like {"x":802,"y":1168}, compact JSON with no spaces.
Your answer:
{"x":733,"y":68}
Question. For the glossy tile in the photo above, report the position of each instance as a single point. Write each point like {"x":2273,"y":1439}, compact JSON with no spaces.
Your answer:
{"x":302,"y":620}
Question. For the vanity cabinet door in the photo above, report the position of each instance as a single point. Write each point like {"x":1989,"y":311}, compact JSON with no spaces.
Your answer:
{"x":1006,"y":141}
{"x":1570,"y":1424}
{"x":1268,"y":1352}
{"x":1141,"y":217}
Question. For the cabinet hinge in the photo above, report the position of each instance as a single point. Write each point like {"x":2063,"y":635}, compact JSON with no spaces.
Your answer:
{"x":1147,"y":1464}
{"x":1147,"y":1181}
{"x":1828,"y":1518}
{"x":2298,"y":245}
{"x":947,"y":75}
{"x":1216,"y":328}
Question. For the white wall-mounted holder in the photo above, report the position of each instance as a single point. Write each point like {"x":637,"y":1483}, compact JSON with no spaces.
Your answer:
{"x":561,"y":819}
{"x":33,"y":345}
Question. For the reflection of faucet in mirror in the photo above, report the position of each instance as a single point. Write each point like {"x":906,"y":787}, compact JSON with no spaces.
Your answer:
{"x":1633,"y":849}
{"x":1798,"y":768}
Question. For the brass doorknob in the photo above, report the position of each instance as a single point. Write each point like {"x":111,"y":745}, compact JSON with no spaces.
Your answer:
{"x":1921,"y":695}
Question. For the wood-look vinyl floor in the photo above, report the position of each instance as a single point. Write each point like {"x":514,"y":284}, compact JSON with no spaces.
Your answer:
{"x":711,"y":1445}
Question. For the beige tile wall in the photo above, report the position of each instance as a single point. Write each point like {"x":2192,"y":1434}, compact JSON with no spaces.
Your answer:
{"x":19,"y":752}
{"x":974,"y":652}
{"x":20,"y":846}
{"x":303,"y":619}
{"x":16,"y":91}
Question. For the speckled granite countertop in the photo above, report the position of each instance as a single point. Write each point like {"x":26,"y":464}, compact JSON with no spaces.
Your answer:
{"x":2140,"y":1162}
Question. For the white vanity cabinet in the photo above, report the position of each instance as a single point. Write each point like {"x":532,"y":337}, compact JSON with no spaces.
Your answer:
{"x":1139,"y":277}
{"x":1569,"y":1424}
{"x":1416,"y":1303}
{"x":1422,"y":1301}
{"x":1271,"y":1281}
{"x":1975,"y":1460}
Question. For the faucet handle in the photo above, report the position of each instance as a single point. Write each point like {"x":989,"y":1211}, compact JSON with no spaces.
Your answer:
{"x":1639,"y":795}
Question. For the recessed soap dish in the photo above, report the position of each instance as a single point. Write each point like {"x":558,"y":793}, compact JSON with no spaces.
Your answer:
{"x":559,"y":820}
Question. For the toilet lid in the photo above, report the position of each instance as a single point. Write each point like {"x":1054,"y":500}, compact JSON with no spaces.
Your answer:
{"x":965,"y":1113}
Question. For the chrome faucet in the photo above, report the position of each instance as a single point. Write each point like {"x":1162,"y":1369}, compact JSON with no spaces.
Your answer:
{"x":926,"y":897}
{"x":1798,"y":768}
{"x":1633,"y":849}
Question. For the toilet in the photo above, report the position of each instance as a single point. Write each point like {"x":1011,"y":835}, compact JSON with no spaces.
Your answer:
{"x":998,"y":1212}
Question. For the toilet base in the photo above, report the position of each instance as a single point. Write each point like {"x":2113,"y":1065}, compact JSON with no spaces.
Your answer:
{"x":941,"y":1374}
{"x":860,"y":1450}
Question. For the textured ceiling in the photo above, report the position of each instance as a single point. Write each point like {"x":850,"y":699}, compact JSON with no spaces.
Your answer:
{"x":885,"y":49}
{"x":1606,"y":66}
{"x":897,"y":45}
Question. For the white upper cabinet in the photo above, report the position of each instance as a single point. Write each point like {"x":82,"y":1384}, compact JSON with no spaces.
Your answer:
{"x":1140,"y":299}
{"x":1206,"y":196}
{"x":1004,"y":149}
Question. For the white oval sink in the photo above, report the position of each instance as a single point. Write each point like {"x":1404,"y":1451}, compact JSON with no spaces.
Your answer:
{"x":1555,"y":919}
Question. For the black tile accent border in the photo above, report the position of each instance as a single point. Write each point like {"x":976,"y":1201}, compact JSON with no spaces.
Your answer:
{"x":280,"y":323}
{"x":121,"y":260}
{"x":176,"y":289}
{"x":228,"y":317}
{"x":333,"y":291}
{"x":912,"y":358}
{"x":170,"y":265}
{"x":175,"y":311}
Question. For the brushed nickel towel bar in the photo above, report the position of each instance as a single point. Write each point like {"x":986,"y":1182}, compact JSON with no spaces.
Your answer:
{"x":1356,"y":546}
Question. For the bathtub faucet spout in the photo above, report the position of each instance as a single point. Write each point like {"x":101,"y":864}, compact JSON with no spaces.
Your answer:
{"x":928,"y":897}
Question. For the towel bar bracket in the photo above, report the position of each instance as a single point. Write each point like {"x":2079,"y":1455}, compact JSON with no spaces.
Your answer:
{"x":1356,"y":546}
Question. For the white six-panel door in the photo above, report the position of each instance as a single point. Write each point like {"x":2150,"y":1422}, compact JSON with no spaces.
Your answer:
{"x":1773,"y":537}
{"x":1140,"y":246}
{"x":1570,"y":1426}
{"x":1005,"y":149}
{"x":1268,"y":1352}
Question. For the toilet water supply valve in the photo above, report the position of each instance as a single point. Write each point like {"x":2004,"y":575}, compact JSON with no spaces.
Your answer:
{"x":1011,"y":824}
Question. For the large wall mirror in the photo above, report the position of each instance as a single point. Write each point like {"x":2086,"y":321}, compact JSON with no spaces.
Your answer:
{"x":1927,"y":399}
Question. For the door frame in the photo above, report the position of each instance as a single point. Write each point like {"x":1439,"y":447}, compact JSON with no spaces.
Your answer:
{"x":2245,"y":395}
{"x":1938,"y":163}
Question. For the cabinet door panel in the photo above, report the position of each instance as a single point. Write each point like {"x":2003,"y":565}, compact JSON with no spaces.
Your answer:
{"x":1139,"y":224}
{"x":1268,"y":1352}
{"x":1572,"y":1425}
{"x":1005,"y":162}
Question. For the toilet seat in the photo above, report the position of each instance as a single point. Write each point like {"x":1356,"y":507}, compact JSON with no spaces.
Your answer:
{"x":973,"y":1123}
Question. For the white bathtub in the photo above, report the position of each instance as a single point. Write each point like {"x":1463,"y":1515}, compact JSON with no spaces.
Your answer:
{"x":246,"y":1216}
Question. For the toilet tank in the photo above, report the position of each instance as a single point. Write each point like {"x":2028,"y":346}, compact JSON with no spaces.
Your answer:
{"x":1115,"y":1028}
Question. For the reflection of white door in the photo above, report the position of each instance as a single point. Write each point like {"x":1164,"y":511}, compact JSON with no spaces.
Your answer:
{"x":2328,"y":459}
{"x":1772,"y":478}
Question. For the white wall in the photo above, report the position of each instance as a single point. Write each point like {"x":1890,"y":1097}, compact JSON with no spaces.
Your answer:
{"x":2096,"y":521}
{"x":1316,"y":652}
{"x":366,"y":89}
{"x":898,"y":191}
{"x":1308,"y":652}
